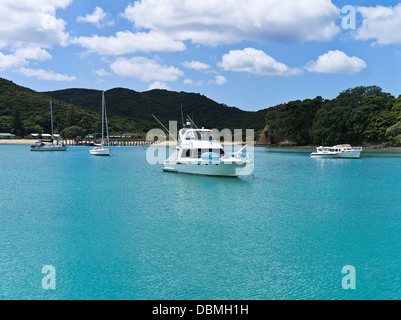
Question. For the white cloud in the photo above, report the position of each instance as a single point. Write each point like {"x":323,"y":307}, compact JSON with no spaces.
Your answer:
{"x":219,"y":80}
{"x":34,"y":53}
{"x":158,"y":85}
{"x":97,"y":18}
{"x":255,"y":62}
{"x":10,"y":61}
{"x":196,"y":65}
{"x":45,"y":74}
{"x":145,"y":69}
{"x":337,"y":62}
{"x":32,"y":23}
{"x":192,"y":82}
{"x":211,"y":22}
{"x":101,"y":72}
{"x":126,"y":42}
{"x":27,"y":30}
{"x":21,"y":56}
{"x":381,"y":24}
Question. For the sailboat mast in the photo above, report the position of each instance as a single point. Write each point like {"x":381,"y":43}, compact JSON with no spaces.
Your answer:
{"x":107,"y":127}
{"x":102,"y":117}
{"x":51,"y":117}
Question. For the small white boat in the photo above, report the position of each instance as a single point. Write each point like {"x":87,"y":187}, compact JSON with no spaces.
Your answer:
{"x":198,"y":152}
{"x":100,"y":150}
{"x":344,"y":151}
{"x":49,"y":145}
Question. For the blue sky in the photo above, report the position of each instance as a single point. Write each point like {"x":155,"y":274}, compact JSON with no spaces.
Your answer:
{"x":251,"y":54}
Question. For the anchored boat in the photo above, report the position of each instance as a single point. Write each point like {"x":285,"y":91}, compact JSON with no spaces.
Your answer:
{"x":198,"y":152}
{"x":100,"y":150}
{"x":49,"y":145}
{"x":339,"y":151}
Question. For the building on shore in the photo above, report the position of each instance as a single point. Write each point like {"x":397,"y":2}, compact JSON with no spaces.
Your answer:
{"x":8,"y":136}
{"x":45,"y":136}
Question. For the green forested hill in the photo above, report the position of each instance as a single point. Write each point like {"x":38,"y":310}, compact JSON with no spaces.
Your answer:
{"x":24,"y":111}
{"x":132,"y":111}
{"x":358,"y":115}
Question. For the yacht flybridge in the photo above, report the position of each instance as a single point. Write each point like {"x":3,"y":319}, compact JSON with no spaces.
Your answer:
{"x":338,"y":151}
{"x":199,"y":152}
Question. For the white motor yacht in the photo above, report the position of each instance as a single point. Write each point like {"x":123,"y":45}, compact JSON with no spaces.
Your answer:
{"x":199,"y":152}
{"x":339,"y":151}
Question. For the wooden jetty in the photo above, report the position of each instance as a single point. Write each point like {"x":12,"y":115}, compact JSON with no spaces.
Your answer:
{"x":113,"y":141}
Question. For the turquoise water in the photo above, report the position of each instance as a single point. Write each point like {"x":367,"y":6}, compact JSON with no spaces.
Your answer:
{"x":118,"y":228}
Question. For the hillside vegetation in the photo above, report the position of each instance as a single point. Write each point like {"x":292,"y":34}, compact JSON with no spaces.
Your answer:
{"x":24,"y":111}
{"x":361,"y":115}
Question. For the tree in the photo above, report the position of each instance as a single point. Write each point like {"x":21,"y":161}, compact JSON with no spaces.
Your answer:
{"x":72,"y":132}
{"x":16,"y":122}
{"x":71,"y":116}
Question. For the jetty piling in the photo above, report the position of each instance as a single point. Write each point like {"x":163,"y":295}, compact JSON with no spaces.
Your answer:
{"x":113,"y":141}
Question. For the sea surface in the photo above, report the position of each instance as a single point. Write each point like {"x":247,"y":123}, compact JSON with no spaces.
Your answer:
{"x":119,"y":228}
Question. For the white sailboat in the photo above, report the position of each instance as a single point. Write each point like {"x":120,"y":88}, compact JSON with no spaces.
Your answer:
{"x":100,"y":150}
{"x":43,"y":146}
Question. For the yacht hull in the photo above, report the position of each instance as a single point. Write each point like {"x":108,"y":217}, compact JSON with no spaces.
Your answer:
{"x":323,"y":155}
{"x":49,"y":148}
{"x":233,"y":169}
{"x":349,"y":155}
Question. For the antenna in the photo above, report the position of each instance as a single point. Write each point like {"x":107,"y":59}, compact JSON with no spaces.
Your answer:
{"x":164,"y":127}
{"x":193,"y":123}
{"x":182,"y":117}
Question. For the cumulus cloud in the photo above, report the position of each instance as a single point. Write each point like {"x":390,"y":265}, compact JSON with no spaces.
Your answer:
{"x":145,"y":69}
{"x":126,"y":42}
{"x":195,"y":65}
{"x":219,"y":80}
{"x":101,"y":72}
{"x":28,"y":30}
{"x":255,"y":62}
{"x":336,"y":62}
{"x":381,"y":24}
{"x":20,"y":57}
{"x":45,"y":74}
{"x":210,"y":22}
{"x":98,"y":18}
{"x":9,"y":61}
{"x":192,"y":82}
{"x":32,"y":22}
{"x":158,"y":85}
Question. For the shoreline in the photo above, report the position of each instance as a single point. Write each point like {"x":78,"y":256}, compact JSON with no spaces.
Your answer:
{"x":367,"y":147}
{"x":17,"y":141}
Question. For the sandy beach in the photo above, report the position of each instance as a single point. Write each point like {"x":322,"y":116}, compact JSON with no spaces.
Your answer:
{"x":12,"y":141}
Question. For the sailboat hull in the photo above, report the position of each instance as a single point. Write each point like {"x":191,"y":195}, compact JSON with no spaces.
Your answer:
{"x":102,"y":152}
{"x":49,"y":147}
